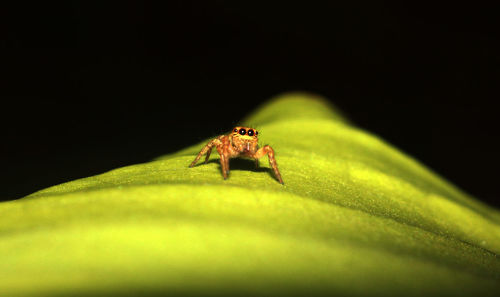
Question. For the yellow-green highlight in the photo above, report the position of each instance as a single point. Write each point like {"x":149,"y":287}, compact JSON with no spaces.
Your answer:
{"x":356,"y":217}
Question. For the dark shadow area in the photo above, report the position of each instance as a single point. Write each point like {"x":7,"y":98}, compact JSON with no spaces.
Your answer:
{"x":241,"y":164}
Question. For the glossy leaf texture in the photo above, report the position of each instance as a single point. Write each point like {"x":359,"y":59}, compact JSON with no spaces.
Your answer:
{"x":356,"y":217}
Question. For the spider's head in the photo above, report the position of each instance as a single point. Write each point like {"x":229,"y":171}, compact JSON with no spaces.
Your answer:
{"x":246,"y":133}
{"x":244,"y":138}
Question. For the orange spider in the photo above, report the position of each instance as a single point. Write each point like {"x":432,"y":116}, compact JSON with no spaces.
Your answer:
{"x":242,"y":142}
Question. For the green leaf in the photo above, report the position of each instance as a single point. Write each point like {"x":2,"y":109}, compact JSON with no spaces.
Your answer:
{"x":355,"y":217}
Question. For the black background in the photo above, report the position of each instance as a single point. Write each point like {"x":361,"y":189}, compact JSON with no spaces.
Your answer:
{"x":88,"y":87}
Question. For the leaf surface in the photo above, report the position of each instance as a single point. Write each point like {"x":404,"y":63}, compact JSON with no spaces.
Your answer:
{"x":355,"y":217}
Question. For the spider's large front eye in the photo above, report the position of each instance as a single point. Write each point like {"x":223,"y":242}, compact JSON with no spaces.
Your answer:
{"x":242,"y":131}
{"x":250,"y":132}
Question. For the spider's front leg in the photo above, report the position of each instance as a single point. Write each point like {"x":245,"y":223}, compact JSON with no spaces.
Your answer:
{"x":224,"y":161}
{"x":207,"y":149}
{"x":267,"y":150}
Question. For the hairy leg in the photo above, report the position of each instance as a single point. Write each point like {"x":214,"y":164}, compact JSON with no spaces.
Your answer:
{"x":227,"y":165}
{"x":267,"y":150}
{"x":208,"y":155}
{"x":207,"y":149}
{"x":224,"y":162}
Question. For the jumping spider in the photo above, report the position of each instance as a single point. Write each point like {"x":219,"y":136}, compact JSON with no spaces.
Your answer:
{"x":241,"y":142}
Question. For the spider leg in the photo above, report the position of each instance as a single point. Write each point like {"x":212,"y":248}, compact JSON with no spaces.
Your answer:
{"x":227,"y":165}
{"x":207,"y":149}
{"x":224,"y":162}
{"x":208,"y":155}
{"x":256,"y":163}
{"x":267,"y":150}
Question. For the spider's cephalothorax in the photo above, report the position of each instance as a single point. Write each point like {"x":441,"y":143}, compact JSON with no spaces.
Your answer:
{"x":241,"y":142}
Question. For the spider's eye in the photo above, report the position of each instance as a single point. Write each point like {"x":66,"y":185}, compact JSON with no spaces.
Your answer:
{"x":256,"y":133}
{"x":250,"y":132}
{"x":242,"y":131}
{"x":235,"y":130}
